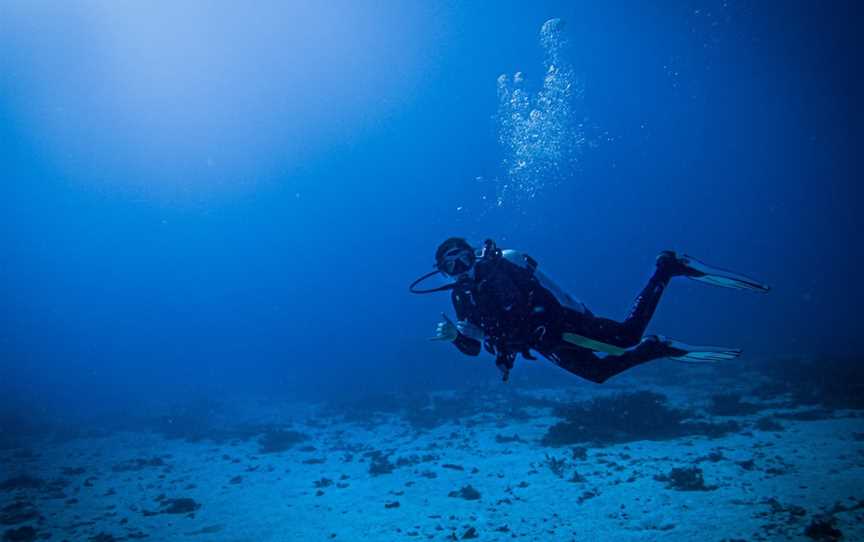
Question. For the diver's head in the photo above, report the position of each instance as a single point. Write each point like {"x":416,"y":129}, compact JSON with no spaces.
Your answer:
{"x":455,"y":257}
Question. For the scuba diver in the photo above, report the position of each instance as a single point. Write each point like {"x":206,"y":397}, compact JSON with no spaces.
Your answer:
{"x":506,"y":305}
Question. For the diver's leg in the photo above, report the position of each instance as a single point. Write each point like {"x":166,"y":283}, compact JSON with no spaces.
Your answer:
{"x":590,"y":366}
{"x":646,"y":302}
{"x":580,"y":362}
{"x":629,"y":331}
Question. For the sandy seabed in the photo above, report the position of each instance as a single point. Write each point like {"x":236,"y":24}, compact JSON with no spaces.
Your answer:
{"x":374,"y":472}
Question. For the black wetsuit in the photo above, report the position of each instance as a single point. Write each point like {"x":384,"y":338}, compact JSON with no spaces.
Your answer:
{"x":517,"y":314}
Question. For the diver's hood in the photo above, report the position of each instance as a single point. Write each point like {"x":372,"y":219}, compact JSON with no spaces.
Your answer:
{"x":489,"y":250}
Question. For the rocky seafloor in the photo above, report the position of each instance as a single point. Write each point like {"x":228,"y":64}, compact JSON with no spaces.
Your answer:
{"x":774,"y":453}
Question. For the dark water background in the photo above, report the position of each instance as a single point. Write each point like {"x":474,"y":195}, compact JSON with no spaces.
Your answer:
{"x":234,"y":204}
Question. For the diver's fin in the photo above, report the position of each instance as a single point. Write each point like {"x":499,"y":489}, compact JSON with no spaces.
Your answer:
{"x":689,"y":353}
{"x":697,"y":270}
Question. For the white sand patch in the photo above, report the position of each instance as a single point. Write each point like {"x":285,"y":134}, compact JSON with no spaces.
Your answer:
{"x":245,"y":495}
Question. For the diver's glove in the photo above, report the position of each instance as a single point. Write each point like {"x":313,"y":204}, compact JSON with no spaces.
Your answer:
{"x":449,"y":330}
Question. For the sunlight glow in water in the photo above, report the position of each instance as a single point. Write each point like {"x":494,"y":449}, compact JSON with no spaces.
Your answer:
{"x":196,"y":95}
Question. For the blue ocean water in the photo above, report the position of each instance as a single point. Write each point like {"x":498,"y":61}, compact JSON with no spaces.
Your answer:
{"x":206,"y":207}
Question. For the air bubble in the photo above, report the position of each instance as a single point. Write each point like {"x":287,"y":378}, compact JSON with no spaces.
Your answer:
{"x":536,"y":130}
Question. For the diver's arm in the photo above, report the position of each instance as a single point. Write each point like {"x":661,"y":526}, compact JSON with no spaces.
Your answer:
{"x":464,"y":335}
{"x":469,"y":339}
{"x":467,"y":345}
